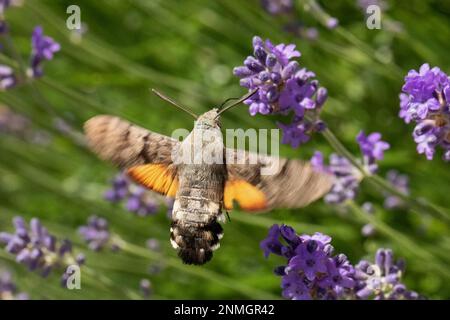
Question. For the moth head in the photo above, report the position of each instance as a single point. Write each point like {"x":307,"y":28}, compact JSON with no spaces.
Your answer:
{"x":209,"y":119}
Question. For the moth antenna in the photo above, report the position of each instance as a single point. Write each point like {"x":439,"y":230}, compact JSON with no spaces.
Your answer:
{"x":165,"y":98}
{"x":225,"y":102}
{"x":245,"y":97}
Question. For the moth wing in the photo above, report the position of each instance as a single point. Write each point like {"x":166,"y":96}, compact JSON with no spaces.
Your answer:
{"x":280,"y":182}
{"x":145,"y":155}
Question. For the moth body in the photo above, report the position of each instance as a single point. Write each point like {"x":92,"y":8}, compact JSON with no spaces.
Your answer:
{"x":197,"y":210}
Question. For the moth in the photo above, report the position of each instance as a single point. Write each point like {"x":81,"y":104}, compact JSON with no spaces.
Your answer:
{"x":203,"y":189}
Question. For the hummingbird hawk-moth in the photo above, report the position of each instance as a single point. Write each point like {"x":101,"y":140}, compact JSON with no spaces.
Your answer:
{"x":202,"y":188}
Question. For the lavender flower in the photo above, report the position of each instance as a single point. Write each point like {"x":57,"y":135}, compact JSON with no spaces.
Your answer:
{"x":36,"y":248}
{"x":7,"y":77}
{"x":153,"y":244}
{"x":346,"y":176}
{"x":18,"y":125}
{"x":311,"y":33}
{"x":426,"y":101}
{"x":4,"y":4}
{"x":283,"y":87}
{"x":146,"y":288}
{"x":141,"y":203}
{"x":43,"y":48}
{"x":119,"y":190}
{"x":372,"y":148}
{"x":138,"y":199}
{"x":312,"y":272}
{"x":381,"y":280}
{"x":169,"y":203}
{"x":156,"y":268}
{"x":368,"y":229}
{"x":8,"y":290}
{"x":13,"y":123}
{"x":277,"y":7}
{"x":96,"y":234}
{"x":332,"y":23}
{"x":300,"y":30}
{"x":401,"y":183}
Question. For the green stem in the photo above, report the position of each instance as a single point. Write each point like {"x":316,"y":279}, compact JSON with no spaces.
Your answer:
{"x":200,"y":272}
{"x":420,"y":204}
{"x":109,"y":283}
{"x":406,"y":243}
{"x":319,"y":13}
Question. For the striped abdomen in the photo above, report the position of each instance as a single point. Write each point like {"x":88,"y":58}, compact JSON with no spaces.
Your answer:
{"x":197,"y":210}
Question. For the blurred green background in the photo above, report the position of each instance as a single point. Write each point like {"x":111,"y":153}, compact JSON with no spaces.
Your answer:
{"x":188,"y":49}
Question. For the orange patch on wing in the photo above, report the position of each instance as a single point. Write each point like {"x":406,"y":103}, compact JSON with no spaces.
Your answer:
{"x":156,"y":177}
{"x":249,"y":197}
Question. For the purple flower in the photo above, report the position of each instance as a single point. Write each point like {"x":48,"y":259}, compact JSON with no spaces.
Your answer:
{"x":313,"y":272}
{"x":332,"y":23}
{"x":283,"y":87}
{"x":321,"y":239}
{"x":141,"y":202}
{"x":4,"y":4}
{"x":276,"y":7}
{"x":381,"y":280}
{"x":169,"y":203}
{"x":368,"y":229}
{"x":7,"y":77}
{"x":146,"y":288}
{"x":119,"y":190}
{"x":294,"y":287}
{"x":310,"y":259}
{"x":318,"y":162}
{"x":372,"y":146}
{"x":96,"y":234}
{"x":294,"y":134}
{"x":339,"y":275}
{"x":300,"y":30}
{"x":43,"y":48}
{"x":8,"y":290}
{"x":346,"y":176}
{"x":425,"y":100}
{"x":35,"y":247}
{"x":153,"y":244}
{"x":272,"y":244}
{"x":401,"y":183}
{"x":18,"y":125}
{"x":137,"y":199}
